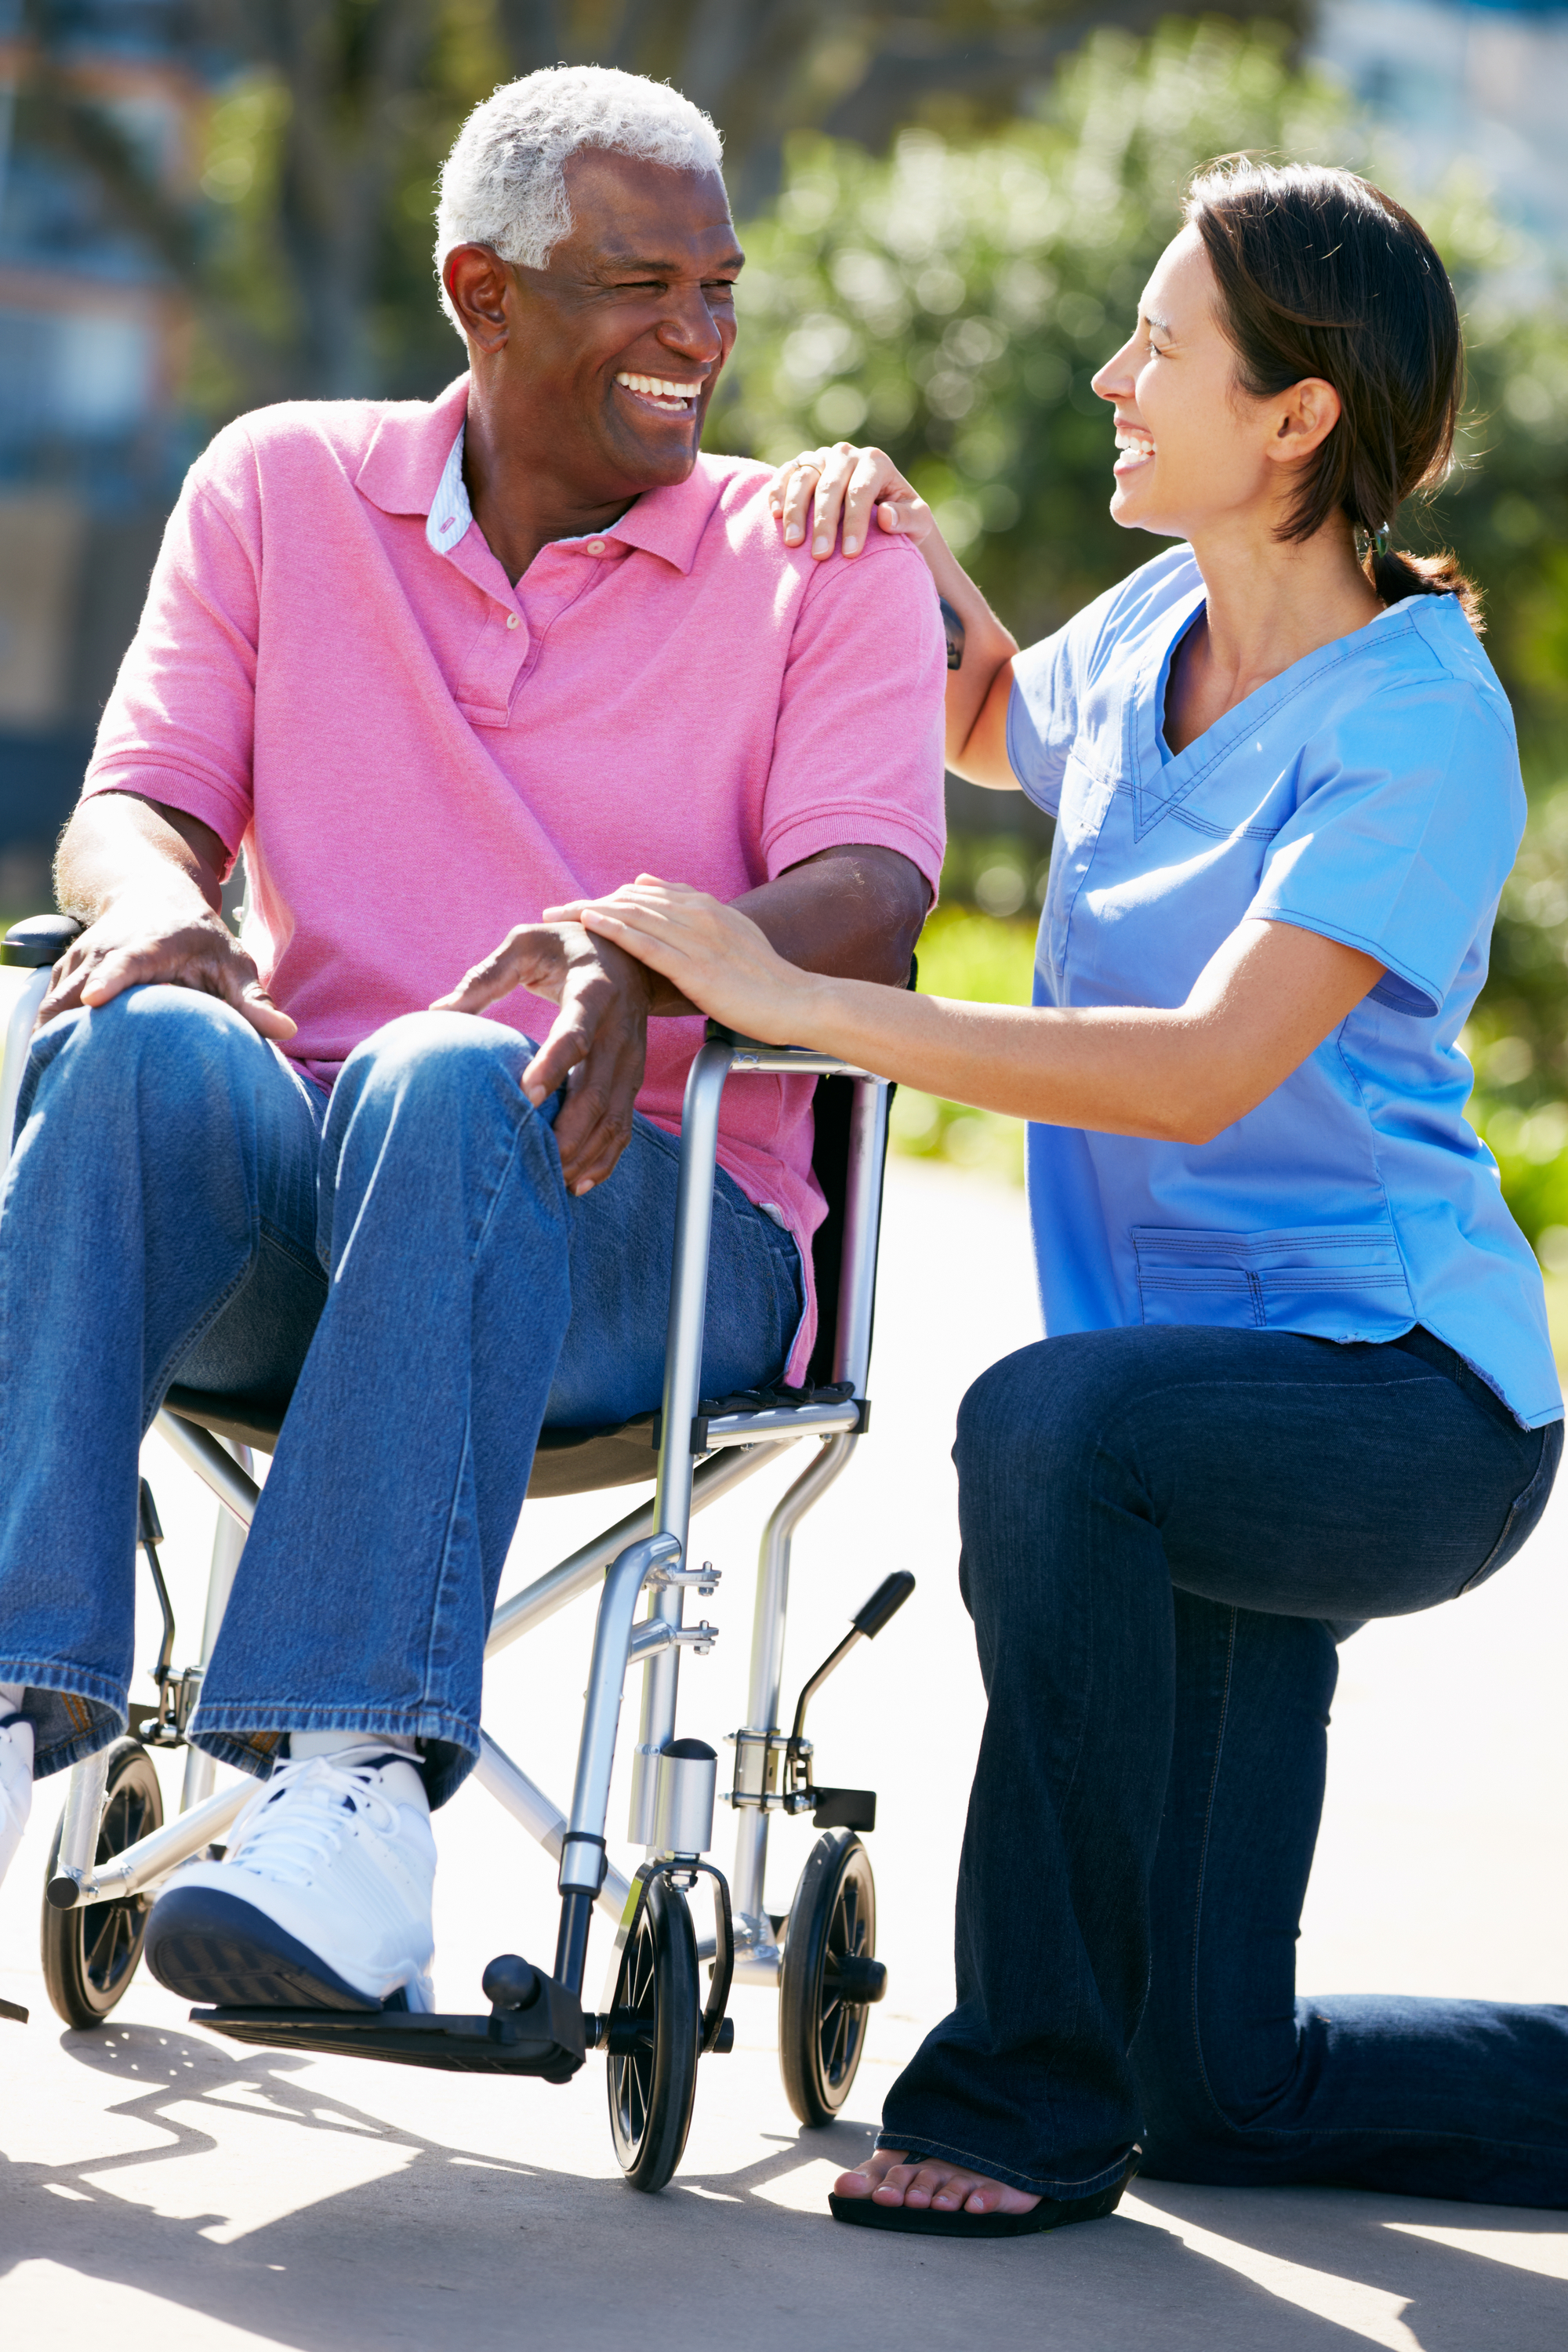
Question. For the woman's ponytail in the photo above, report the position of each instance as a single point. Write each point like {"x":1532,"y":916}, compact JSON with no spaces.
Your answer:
{"x":1396,"y":575}
{"x":1320,"y":274}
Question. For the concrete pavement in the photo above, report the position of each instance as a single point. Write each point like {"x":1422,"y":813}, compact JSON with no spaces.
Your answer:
{"x":185,"y":2193}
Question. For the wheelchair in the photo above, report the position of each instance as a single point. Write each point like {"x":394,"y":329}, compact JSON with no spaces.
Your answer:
{"x":112,"y":1849}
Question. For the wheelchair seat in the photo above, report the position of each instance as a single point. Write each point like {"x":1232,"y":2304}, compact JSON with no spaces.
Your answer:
{"x":581,"y":1461}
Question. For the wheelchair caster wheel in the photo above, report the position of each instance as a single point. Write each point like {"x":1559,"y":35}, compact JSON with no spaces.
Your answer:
{"x":90,"y":1955}
{"x":652,"y":2036}
{"x":828,"y":1977}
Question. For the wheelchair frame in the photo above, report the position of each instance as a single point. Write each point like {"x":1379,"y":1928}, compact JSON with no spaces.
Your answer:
{"x":537,"y":2023}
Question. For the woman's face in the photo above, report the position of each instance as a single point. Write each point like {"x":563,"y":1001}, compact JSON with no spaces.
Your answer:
{"x":1192,"y":448}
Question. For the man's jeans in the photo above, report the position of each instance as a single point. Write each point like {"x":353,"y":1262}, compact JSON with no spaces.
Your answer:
{"x":1164,"y":1532}
{"x":181,"y":1204}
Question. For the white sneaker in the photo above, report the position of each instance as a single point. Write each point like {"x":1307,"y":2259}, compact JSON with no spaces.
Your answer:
{"x":323,"y":1900}
{"x":16,"y":1784}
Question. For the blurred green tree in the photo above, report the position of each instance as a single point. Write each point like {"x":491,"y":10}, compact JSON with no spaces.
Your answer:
{"x":953,"y":299}
{"x":303,"y":239}
{"x":952,"y":302}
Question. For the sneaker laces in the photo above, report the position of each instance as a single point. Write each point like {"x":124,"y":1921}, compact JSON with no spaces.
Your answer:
{"x":299,"y":1822}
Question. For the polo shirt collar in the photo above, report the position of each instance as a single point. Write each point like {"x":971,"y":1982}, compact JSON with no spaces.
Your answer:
{"x":411,"y":452}
{"x":670,"y":521}
{"x":414,"y":465}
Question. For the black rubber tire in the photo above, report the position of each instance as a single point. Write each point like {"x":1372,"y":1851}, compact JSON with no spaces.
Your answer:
{"x":821,"y":2038}
{"x":651,"y":2089}
{"x":90,"y":1955}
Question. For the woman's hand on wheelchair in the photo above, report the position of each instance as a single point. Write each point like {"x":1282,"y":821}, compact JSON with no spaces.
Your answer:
{"x":845,"y":484}
{"x":713,"y":954}
{"x":138,"y":939}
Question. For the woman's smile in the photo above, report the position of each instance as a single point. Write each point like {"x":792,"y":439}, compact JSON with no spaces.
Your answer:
{"x":1136,"y":446}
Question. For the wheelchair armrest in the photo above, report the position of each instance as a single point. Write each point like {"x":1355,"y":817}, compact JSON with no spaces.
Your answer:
{"x":38,"y":940}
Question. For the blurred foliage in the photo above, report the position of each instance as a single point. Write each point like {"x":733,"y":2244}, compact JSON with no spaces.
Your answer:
{"x":926,"y":270}
{"x":953,"y":299}
{"x":952,"y":302}
{"x":301,"y":236}
{"x":985,"y":959}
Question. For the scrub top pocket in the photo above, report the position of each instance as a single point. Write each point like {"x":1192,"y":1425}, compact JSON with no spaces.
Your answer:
{"x":1280,"y":1281}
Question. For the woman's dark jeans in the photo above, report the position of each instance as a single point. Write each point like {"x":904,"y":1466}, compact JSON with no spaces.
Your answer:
{"x":1163,"y":1533}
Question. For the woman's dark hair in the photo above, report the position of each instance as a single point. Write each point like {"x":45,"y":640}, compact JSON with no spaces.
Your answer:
{"x":1320,"y":274}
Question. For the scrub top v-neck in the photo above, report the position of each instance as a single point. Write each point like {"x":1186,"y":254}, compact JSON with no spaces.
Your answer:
{"x":1370,"y":793}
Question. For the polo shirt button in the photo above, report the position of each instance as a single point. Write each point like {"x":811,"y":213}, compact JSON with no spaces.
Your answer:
{"x":511,"y":620}
{"x":596,"y":547}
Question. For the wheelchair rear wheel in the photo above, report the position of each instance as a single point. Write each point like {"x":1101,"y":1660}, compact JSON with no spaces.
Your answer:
{"x":90,"y":1955}
{"x":654,"y":2026}
{"x":822,"y":2031}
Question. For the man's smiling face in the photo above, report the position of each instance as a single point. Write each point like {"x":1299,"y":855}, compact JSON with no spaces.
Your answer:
{"x":601,"y":366}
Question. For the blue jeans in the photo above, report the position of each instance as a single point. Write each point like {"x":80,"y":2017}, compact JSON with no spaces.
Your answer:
{"x":405,"y":1258}
{"x":1165,"y":1533}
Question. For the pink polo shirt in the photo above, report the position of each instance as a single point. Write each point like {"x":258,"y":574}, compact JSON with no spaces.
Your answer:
{"x":333,"y":672}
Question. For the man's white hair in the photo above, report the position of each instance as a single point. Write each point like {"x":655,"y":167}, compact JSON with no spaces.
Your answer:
{"x":504,"y":184}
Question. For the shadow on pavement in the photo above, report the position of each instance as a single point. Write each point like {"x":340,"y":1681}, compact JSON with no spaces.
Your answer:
{"x":364,"y":2237}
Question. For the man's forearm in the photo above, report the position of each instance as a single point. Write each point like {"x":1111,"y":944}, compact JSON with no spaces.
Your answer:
{"x":853,"y":914}
{"x":117,"y":843}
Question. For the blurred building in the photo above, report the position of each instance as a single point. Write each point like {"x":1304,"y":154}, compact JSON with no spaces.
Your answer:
{"x":92,"y":336}
{"x":1463,"y":77}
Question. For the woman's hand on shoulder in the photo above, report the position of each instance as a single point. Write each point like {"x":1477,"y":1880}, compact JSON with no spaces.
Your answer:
{"x":823,"y":490}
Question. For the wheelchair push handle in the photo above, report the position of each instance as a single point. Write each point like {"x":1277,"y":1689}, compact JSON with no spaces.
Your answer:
{"x":39,"y":942}
{"x":884,"y":1604}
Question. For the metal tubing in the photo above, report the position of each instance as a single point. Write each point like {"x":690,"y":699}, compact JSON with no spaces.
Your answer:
{"x":583,"y":1858}
{"x":689,"y":1288}
{"x":151,"y":1858}
{"x":207,"y":1455}
{"x":775,"y":1421}
{"x":84,"y":1810}
{"x":24,"y":1012}
{"x":571,"y":1938}
{"x":767,"y":1669}
{"x":682,"y":1387}
{"x":581,"y":1569}
{"x":542,"y":1819}
{"x":228,"y":1542}
{"x":862,"y":1220}
{"x":776,"y":1061}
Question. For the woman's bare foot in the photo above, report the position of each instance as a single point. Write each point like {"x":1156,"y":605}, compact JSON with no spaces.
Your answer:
{"x":931,"y":2182}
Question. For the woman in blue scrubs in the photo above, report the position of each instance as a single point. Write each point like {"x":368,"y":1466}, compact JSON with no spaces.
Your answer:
{"x":1298,"y":1374}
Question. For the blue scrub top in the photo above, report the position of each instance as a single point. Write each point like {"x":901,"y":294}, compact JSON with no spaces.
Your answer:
{"x":1372,"y":792}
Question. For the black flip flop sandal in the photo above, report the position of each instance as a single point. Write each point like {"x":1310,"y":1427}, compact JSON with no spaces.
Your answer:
{"x":921,"y":2222}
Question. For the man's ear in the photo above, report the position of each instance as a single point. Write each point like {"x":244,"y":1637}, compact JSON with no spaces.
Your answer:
{"x":476,"y":281}
{"x":1303,"y":419}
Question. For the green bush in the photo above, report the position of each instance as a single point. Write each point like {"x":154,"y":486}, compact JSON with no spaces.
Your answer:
{"x":952,"y":300}
{"x":982,"y":958}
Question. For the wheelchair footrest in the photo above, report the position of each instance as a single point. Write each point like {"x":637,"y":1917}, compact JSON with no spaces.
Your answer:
{"x":549,"y":2043}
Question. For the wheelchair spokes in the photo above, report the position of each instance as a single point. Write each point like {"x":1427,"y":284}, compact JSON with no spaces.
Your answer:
{"x":651,"y":2036}
{"x":90,"y":1952}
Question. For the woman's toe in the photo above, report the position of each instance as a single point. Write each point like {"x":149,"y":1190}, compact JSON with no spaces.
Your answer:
{"x":853,"y":2184}
{"x":872,"y":2175}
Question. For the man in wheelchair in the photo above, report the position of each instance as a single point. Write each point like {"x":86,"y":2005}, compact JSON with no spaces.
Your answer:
{"x":436,"y":669}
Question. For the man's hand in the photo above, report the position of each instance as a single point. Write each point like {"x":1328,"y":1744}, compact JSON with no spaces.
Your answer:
{"x":714,"y":953}
{"x":146,"y":936}
{"x":148,"y":882}
{"x":597,"y":1043}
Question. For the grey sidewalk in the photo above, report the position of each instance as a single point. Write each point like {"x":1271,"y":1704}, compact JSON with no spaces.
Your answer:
{"x":182,"y":2193}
